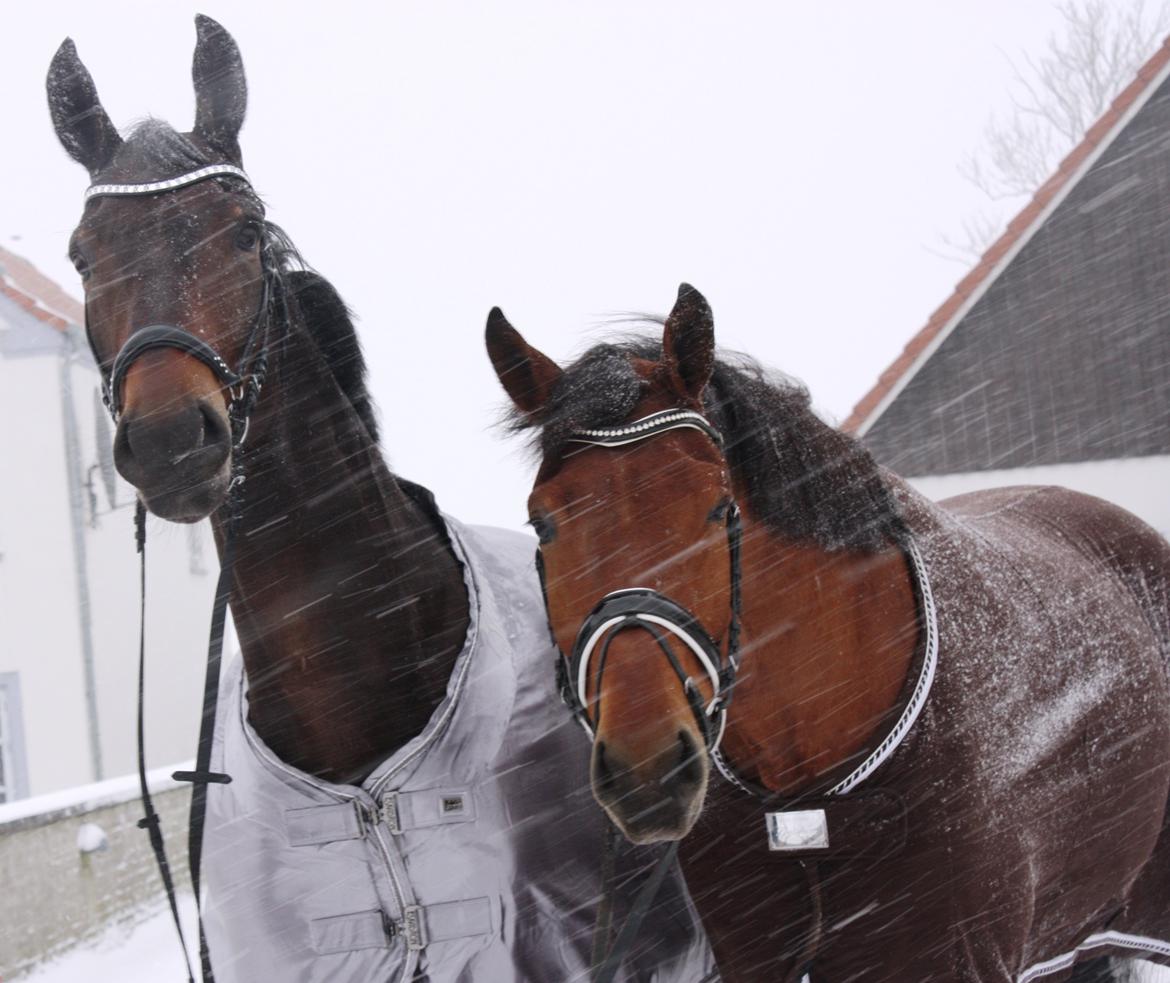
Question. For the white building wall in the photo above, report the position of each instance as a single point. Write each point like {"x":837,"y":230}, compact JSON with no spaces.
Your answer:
{"x":39,"y":637}
{"x":40,"y":626}
{"x":1139,"y":484}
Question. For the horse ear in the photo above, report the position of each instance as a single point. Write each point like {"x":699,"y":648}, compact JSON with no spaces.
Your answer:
{"x":82,"y":126}
{"x":527,"y":375}
{"x":688,"y":342}
{"x":221,"y":91}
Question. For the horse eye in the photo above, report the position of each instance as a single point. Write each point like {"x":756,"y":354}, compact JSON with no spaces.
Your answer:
{"x":544,"y":528}
{"x":81,"y":265}
{"x":248,"y":237}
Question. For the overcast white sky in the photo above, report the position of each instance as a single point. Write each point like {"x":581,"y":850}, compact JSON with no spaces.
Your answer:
{"x":564,"y":160}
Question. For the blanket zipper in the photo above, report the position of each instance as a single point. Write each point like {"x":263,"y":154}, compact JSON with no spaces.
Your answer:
{"x":410,"y":927}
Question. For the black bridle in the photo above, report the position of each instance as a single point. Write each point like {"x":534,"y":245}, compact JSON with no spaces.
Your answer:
{"x":645,"y":609}
{"x":243,"y":384}
{"x":245,"y":381}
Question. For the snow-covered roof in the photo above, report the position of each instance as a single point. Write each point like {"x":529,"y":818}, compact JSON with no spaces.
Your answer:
{"x":25,"y":285}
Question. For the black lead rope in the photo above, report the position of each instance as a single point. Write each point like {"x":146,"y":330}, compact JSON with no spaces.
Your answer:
{"x":202,"y":775}
{"x":606,"y":972}
{"x":150,"y":820}
{"x":603,"y":924}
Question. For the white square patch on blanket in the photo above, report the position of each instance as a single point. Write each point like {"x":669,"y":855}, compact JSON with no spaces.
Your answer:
{"x":801,"y":829}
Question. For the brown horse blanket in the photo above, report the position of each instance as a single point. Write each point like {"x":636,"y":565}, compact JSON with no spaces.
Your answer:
{"x":1022,"y":822}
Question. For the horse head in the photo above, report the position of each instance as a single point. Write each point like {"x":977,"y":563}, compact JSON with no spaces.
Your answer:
{"x":615,"y":509}
{"x":171,"y":248}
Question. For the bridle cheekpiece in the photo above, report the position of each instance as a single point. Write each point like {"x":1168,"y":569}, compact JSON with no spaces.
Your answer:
{"x":649,"y":610}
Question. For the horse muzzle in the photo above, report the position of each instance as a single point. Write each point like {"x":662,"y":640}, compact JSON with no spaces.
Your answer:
{"x":651,"y":798}
{"x":178,"y":459}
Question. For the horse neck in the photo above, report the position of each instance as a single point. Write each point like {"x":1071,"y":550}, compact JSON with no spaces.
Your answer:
{"x":828,"y":639}
{"x":349,"y":604}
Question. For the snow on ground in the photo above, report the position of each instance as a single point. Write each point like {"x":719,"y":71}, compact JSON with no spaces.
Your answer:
{"x":144,"y":951}
{"x":148,"y":951}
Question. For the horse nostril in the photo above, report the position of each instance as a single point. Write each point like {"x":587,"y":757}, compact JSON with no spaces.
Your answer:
{"x":193,"y":436}
{"x":603,"y":770}
{"x":123,"y":455}
{"x":215,"y":430}
{"x":690,"y":759}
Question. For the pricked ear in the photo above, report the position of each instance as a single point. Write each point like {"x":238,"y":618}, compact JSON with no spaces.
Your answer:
{"x":688,"y":342}
{"x":82,"y":126}
{"x":221,"y":91}
{"x":527,"y":375}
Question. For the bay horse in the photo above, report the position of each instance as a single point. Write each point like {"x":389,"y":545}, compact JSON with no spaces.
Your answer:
{"x":941,"y":733}
{"x":402,"y":801}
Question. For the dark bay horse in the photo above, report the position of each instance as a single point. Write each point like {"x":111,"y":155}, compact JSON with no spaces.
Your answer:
{"x":941,"y":732}
{"x":404,"y":800}
{"x":340,"y":669}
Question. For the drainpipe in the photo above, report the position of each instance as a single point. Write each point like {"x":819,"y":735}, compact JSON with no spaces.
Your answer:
{"x":75,"y":482}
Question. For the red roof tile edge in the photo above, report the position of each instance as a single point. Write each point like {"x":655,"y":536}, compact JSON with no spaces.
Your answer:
{"x":1016,"y":229}
{"x":36,"y":293}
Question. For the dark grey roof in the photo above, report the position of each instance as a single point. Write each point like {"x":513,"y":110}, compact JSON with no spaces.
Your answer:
{"x":1066,"y":355}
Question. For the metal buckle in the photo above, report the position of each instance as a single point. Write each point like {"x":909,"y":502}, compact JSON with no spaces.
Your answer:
{"x":390,"y":813}
{"x":414,"y":928}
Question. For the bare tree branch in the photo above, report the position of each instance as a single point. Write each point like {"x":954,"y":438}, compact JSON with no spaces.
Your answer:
{"x":1055,"y":96}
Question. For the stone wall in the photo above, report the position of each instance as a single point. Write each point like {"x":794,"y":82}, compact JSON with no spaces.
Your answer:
{"x":53,"y":894}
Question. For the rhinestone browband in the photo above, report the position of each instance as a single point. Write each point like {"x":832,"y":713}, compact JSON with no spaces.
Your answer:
{"x":647,"y":426}
{"x":153,"y":187}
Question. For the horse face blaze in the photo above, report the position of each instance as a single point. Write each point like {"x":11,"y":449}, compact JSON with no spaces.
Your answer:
{"x":644,"y":516}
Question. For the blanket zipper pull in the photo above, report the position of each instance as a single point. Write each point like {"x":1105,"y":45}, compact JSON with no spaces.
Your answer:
{"x":389,"y":812}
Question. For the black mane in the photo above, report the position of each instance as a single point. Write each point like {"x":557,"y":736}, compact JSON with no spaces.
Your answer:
{"x":330,"y":323}
{"x":804,"y":479}
{"x":155,"y":151}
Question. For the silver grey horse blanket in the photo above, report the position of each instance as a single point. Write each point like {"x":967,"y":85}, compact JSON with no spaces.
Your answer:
{"x":473,"y":853}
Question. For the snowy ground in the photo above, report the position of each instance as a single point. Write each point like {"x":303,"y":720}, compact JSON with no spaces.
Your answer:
{"x":148,"y":951}
{"x":143,"y":952}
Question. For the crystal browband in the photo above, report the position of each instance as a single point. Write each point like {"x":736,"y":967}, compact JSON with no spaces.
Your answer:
{"x":154,"y":187}
{"x":647,"y":426}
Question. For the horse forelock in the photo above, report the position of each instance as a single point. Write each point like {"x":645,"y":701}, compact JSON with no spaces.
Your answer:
{"x":804,"y":479}
{"x":155,"y":151}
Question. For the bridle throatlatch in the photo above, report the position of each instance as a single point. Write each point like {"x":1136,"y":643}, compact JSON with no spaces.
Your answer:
{"x":243,"y":384}
{"x":645,"y":609}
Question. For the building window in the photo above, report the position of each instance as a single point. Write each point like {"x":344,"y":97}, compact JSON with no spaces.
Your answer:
{"x":13,"y":774}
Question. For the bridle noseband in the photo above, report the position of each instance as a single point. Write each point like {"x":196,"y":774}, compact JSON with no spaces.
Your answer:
{"x":645,"y":609}
{"x":246,"y":380}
